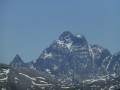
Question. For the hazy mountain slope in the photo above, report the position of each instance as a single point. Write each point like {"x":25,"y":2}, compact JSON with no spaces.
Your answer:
{"x":25,"y":79}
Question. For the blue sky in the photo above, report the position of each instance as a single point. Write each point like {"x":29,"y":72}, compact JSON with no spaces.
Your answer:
{"x":27,"y":27}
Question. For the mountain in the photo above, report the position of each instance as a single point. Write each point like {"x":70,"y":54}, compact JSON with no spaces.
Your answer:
{"x":30,"y":79}
{"x":112,"y":64}
{"x":18,"y":62}
{"x":71,"y":60}
{"x":25,"y":79}
{"x":109,"y":84}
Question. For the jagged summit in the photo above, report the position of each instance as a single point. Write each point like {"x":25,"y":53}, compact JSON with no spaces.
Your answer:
{"x":65,"y":36}
{"x":66,"y":33}
{"x":66,"y":42}
{"x":68,"y":39}
{"x":17,"y":62}
{"x":17,"y":56}
{"x":18,"y":59}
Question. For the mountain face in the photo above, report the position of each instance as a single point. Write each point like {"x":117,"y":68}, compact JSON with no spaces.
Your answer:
{"x":112,"y":64}
{"x":25,"y":79}
{"x":17,"y":62}
{"x":71,"y":60}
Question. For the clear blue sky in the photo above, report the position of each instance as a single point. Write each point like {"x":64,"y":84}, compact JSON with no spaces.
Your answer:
{"x":27,"y":27}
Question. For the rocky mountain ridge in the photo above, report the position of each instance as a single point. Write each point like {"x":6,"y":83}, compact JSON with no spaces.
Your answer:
{"x":25,"y":79}
{"x":71,"y":60}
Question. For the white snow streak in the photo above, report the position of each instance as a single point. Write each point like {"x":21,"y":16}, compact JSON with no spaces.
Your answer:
{"x":41,"y":78}
{"x":109,"y":63}
{"x":90,"y":50}
{"x":41,"y":84}
{"x":28,"y":76}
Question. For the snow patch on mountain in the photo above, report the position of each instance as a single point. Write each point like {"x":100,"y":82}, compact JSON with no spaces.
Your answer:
{"x":5,"y":74}
{"x":91,"y":52}
{"x":69,"y":45}
{"x":46,"y":84}
{"x":48,"y":71}
{"x":46,"y":55}
{"x":6,"y":71}
{"x":16,"y":78}
{"x":89,"y":81}
{"x":41,"y":78}
{"x":28,"y":76}
{"x":60,"y":42}
{"x":34,"y":61}
{"x":109,"y":63}
{"x":63,"y":44}
{"x":114,"y":74}
{"x":79,"y":36}
{"x":55,"y":67}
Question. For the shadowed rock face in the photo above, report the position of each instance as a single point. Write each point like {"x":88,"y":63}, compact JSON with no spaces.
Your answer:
{"x":70,"y":59}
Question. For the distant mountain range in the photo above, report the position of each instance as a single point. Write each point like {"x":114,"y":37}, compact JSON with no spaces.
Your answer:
{"x":71,"y":60}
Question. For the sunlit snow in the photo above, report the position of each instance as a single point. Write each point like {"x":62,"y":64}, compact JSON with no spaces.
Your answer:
{"x":5,"y":72}
{"x":91,"y":51}
{"x":69,"y":45}
{"x":79,"y":36}
{"x":28,"y":76}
